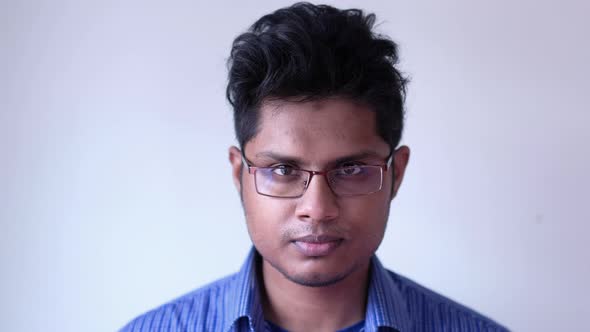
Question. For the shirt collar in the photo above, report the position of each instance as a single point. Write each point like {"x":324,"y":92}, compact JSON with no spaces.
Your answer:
{"x":385,"y":304}
{"x":243,"y":300}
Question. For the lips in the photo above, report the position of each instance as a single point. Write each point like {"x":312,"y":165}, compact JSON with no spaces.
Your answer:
{"x":317,"y":245}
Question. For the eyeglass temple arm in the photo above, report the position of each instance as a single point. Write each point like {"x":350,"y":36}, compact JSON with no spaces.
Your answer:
{"x":390,"y":158}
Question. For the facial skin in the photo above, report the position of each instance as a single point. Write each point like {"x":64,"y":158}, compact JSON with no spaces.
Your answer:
{"x":316,"y":134}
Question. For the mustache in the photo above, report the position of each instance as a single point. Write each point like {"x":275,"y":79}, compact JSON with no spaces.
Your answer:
{"x":316,"y":231}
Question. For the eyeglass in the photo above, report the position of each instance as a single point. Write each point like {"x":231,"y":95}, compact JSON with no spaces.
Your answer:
{"x":288,"y":182}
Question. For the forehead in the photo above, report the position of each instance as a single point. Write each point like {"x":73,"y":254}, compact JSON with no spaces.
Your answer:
{"x":318,"y":130}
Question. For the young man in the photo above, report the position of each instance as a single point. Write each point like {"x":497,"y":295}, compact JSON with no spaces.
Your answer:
{"x":318,"y":111}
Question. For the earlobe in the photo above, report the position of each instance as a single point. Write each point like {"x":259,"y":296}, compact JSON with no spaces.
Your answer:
{"x":235,"y":159}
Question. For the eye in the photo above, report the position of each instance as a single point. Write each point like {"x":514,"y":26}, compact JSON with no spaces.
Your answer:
{"x":351,"y":170}
{"x":283,"y":170}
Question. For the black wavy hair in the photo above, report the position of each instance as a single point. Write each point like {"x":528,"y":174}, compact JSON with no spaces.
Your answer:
{"x":309,"y":52}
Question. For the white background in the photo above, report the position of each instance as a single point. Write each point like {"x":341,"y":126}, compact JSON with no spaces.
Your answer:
{"x":115,"y":190}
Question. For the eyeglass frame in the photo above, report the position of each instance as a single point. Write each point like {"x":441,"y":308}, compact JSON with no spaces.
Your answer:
{"x":384,"y":168}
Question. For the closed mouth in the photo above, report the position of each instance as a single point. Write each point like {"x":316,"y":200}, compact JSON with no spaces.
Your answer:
{"x":317,"y":238}
{"x":317,"y":245}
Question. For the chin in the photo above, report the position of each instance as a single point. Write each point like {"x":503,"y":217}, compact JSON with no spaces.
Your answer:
{"x":318,"y":274}
{"x":315,"y":280}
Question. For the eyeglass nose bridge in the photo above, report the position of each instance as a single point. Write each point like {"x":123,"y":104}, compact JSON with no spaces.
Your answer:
{"x":310,"y":177}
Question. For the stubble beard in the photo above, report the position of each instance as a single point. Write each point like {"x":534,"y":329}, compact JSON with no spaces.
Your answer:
{"x":314,"y":279}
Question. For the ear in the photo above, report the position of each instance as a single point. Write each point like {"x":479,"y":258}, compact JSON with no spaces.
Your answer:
{"x":235,"y":159}
{"x":400,"y":161}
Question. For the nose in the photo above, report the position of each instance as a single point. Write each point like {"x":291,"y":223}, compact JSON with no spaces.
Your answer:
{"x":318,"y":203}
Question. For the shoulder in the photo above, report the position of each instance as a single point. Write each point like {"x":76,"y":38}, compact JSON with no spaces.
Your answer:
{"x":199,"y":310}
{"x":431,"y":311}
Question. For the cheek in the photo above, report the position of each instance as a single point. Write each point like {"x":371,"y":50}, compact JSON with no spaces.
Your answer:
{"x":372,"y":208}
{"x":369,"y":218}
{"x":266,"y":218}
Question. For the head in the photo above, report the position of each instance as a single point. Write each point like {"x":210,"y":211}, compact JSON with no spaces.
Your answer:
{"x":315,"y":88}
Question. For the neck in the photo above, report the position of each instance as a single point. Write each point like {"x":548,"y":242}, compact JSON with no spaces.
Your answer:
{"x":302,"y":308}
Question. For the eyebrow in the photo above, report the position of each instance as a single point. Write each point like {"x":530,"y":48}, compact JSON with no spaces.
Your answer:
{"x":298,"y":161}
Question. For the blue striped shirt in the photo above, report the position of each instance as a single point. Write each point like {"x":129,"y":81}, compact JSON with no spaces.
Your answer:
{"x":233,"y":303}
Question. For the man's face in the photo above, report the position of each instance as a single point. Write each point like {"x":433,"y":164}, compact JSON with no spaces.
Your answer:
{"x":316,"y":136}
